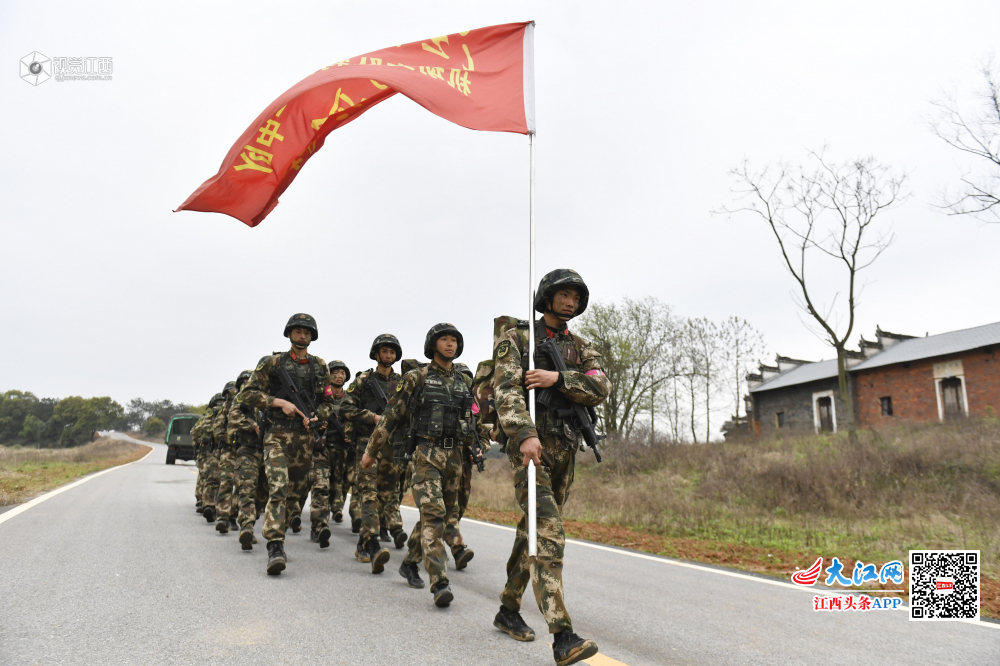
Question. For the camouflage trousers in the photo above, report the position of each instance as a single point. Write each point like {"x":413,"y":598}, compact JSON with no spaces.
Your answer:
{"x":452,"y":535}
{"x":378,"y":488}
{"x":210,"y":488}
{"x":341,"y":477}
{"x":287,"y":459}
{"x":465,"y":491}
{"x":319,"y":500}
{"x":252,"y":484}
{"x":199,"y":485}
{"x":225,"y":500}
{"x":554,"y":478}
{"x":351,"y":484}
{"x":437,"y":476}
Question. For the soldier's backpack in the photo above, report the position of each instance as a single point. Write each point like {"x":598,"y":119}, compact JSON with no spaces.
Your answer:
{"x":482,"y":384}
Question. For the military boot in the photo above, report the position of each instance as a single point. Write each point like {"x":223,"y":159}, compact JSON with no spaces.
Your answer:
{"x":442,"y":594}
{"x":275,"y":557}
{"x":199,"y":506}
{"x":462,"y":557}
{"x":233,"y":525}
{"x":323,"y":536}
{"x":511,"y":623}
{"x":383,"y":534}
{"x":355,"y":525}
{"x":409,"y":571}
{"x":568,"y":648}
{"x":314,"y":536}
{"x":362,"y":553}
{"x":296,"y":523}
{"x":209,"y":514}
{"x":246,"y":539}
{"x":222,"y":527}
{"x":377,"y":555}
{"x":338,"y":516}
{"x":399,"y":537}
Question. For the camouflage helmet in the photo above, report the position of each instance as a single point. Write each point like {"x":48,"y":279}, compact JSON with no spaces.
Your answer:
{"x":385,"y":340}
{"x":557,"y":279}
{"x":437,"y":330}
{"x":302,"y":320}
{"x":242,"y":379}
{"x":464,"y":369}
{"x":230,"y":386}
{"x":216,"y":399}
{"x":334,"y":365}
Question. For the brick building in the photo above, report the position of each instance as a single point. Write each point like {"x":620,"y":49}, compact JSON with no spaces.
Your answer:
{"x":895,"y":378}
{"x":934,"y":378}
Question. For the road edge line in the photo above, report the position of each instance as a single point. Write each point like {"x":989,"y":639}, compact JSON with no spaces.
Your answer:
{"x":7,"y":515}
{"x":716,"y":570}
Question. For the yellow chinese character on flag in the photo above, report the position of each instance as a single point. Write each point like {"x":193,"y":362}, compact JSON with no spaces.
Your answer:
{"x":255,"y":159}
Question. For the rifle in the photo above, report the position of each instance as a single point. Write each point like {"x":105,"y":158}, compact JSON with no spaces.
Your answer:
{"x":476,"y":449}
{"x":303,"y":402}
{"x":583,"y":418}
{"x":381,"y":401}
{"x":337,"y":429}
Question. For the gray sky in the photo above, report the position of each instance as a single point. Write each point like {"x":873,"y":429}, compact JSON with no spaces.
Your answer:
{"x":641,"y":107}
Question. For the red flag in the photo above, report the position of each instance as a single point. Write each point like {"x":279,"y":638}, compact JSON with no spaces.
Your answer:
{"x":481,"y":79}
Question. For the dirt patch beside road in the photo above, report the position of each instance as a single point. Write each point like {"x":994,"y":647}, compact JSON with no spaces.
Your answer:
{"x":27,"y":471}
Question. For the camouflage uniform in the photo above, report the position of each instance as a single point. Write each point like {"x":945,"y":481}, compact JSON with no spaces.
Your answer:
{"x":251,"y":478}
{"x":201,"y":455}
{"x":288,"y":445}
{"x":342,"y":470}
{"x":210,"y":487}
{"x":324,"y":461}
{"x":226,"y":452}
{"x":583,"y":383}
{"x":437,"y":460}
{"x":377,"y":487}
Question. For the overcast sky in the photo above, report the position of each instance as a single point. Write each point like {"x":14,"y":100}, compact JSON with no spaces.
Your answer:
{"x":642,"y":108}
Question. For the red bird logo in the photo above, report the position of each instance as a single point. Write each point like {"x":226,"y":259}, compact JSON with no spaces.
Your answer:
{"x":810,"y":575}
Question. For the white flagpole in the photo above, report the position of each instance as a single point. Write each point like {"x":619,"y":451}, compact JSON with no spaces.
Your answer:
{"x":532,"y":519}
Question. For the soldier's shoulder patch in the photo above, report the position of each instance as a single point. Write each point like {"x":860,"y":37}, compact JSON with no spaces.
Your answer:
{"x":260,"y":366}
{"x":503,"y":348}
{"x":399,"y":386}
{"x":350,"y":389}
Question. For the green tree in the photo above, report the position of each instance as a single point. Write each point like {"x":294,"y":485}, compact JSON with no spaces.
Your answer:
{"x":34,"y":428}
{"x":76,"y":418}
{"x":14,"y":407}
{"x":154,"y":427}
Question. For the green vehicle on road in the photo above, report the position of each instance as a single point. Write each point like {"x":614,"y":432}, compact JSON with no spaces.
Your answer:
{"x":178,"y":437}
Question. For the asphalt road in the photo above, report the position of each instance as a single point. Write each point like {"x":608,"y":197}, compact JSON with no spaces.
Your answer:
{"x":121,"y":570}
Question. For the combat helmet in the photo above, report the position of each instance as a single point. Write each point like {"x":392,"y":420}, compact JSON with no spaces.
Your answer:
{"x":230,"y":386}
{"x":216,"y":399}
{"x":437,"y":330}
{"x":335,"y":365}
{"x":408,"y":364}
{"x":561,"y":277}
{"x":302,"y":320}
{"x":385,"y":340}
{"x":464,"y":369}
{"x":242,"y":379}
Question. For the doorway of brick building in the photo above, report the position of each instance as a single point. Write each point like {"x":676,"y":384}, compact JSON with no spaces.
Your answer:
{"x":825,"y":407}
{"x":951,"y":396}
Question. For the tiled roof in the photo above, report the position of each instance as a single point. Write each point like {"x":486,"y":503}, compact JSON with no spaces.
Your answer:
{"x":807,"y":372}
{"x":915,"y":349}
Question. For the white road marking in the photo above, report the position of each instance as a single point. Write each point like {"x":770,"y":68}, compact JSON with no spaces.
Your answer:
{"x":4,"y":517}
{"x":721,"y":572}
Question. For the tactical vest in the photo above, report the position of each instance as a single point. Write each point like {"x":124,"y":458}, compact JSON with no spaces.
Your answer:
{"x":249,"y":439}
{"x":444,"y":412}
{"x":307,"y":378}
{"x":367,"y":400}
{"x":547,"y":421}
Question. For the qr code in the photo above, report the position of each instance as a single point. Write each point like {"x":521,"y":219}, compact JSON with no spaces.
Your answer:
{"x":944,"y":584}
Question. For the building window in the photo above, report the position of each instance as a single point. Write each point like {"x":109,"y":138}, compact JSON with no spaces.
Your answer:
{"x":886,"y":405}
{"x":779,"y":419}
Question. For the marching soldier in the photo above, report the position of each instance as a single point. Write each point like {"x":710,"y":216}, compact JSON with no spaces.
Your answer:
{"x":210,"y":487}
{"x":226,"y":453}
{"x":436,"y":401}
{"x":337,"y":443}
{"x":288,"y":444}
{"x":366,"y":399}
{"x":551,"y":441}
{"x":246,"y":433}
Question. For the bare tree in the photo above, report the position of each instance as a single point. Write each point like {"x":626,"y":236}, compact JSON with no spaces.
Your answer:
{"x":741,"y":344}
{"x":976,"y":133}
{"x":824,"y":211}
{"x":634,"y":339}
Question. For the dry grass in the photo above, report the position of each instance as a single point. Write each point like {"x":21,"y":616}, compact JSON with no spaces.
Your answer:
{"x":27,"y":471}
{"x":773,"y":505}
